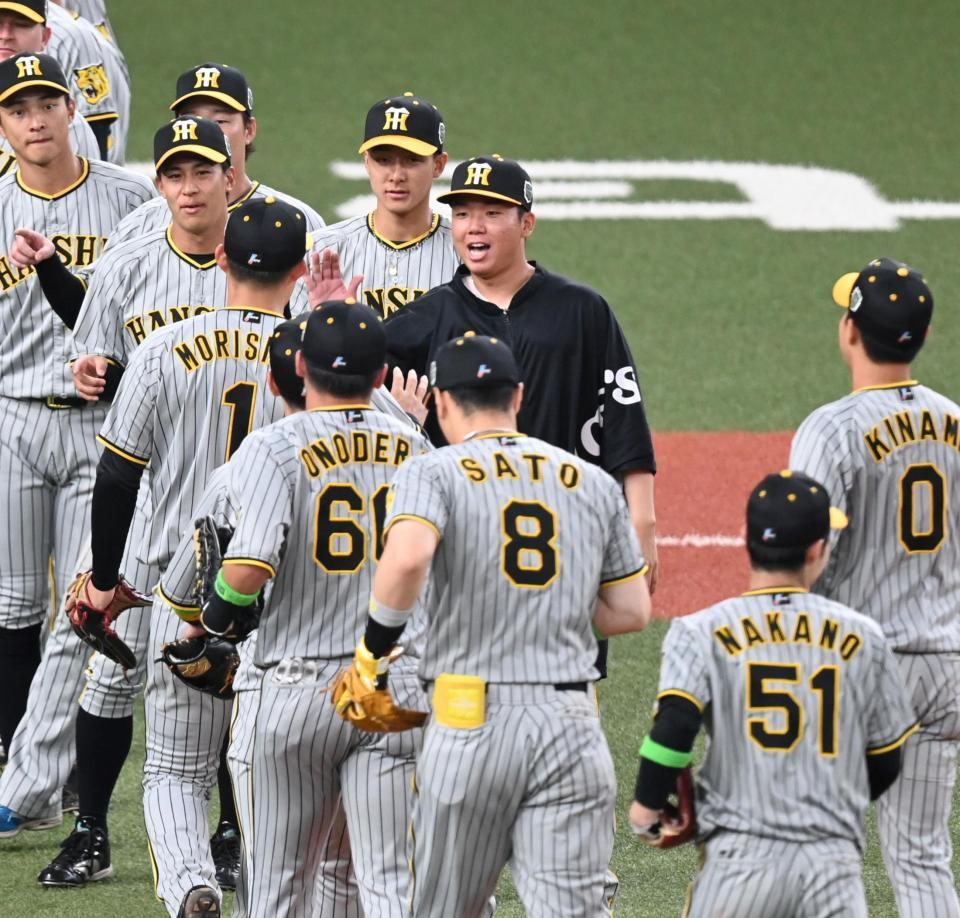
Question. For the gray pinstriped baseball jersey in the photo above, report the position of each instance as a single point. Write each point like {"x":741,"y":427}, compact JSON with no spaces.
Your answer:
{"x":890,"y":458}
{"x":190,"y":394}
{"x":514,"y":513}
{"x":393,"y":273}
{"x":35,"y":345}
{"x":313,"y":489}
{"x":156,"y":214}
{"x":795,"y":691}
{"x":75,"y":43}
{"x":81,"y":138}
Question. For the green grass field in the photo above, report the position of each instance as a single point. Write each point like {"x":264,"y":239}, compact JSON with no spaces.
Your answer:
{"x":731,"y":321}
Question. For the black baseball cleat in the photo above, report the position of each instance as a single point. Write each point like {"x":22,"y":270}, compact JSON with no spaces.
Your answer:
{"x":225,"y":847}
{"x":84,"y":857}
{"x":201,"y":900}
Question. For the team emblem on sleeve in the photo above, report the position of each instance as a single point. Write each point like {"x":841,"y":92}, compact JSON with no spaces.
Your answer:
{"x":92,"y":82}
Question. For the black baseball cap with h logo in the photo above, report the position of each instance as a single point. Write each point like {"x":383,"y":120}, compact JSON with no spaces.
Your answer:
{"x":408,"y":121}
{"x":491,"y":177}
{"x":199,"y":136}
{"x":34,"y":10}
{"x":30,"y":71}
{"x":215,"y":81}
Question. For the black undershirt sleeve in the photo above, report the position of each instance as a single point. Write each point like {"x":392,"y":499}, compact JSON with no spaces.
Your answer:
{"x":882,"y":771}
{"x":379,"y":638}
{"x":63,"y":291}
{"x":114,"y":500}
{"x":675,"y":727}
{"x":101,"y":130}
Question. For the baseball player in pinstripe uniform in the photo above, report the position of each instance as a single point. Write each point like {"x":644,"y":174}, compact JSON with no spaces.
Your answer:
{"x":23,"y":28}
{"x":221,"y":94}
{"x":888,"y":453}
{"x":191,"y":393}
{"x":527,"y":545}
{"x":402,"y":248}
{"x":311,"y":496}
{"x":47,"y":455}
{"x":806,"y":713}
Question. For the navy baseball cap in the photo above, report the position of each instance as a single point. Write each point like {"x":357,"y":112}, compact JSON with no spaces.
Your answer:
{"x":199,"y":136}
{"x":284,"y":345}
{"x":491,"y":177}
{"x":408,"y":121}
{"x":344,"y":336}
{"x":28,"y":71}
{"x":215,"y":81}
{"x":474,"y":362}
{"x":266,"y":234}
{"x":790,"y":510}
{"x":890,"y":301}
{"x":34,"y":10}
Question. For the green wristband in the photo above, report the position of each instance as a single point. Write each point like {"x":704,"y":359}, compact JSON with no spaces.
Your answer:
{"x":651,"y":749}
{"x":229,"y":594}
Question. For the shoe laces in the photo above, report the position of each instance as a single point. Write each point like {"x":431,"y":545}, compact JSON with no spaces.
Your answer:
{"x":78,"y":842}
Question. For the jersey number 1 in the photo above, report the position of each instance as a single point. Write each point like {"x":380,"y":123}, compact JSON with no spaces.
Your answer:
{"x":240,"y":399}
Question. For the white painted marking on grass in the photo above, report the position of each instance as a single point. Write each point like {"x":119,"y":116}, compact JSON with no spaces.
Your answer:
{"x":698,"y":540}
{"x":785,"y":197}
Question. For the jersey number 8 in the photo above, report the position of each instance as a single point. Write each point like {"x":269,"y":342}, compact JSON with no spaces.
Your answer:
{"x":528,"y":556}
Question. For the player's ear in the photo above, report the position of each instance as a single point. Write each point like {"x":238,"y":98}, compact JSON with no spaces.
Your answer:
{"x":299,"y":365}
{"x":517,"y":398}
{"x":439,"y":164}
{"x":272,"y":385}
{"x":45,"y":37}
{"x":71,"y":108}
{"x":380,"y":378}
{"x":249,"y":130}
{"x":527,"y":222}
{"x":220,"y":256}
{"x":299,"y":270}
{"x":231,"y":177}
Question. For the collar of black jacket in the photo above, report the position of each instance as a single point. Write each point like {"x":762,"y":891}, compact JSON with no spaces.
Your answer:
{"x":526,"y":292}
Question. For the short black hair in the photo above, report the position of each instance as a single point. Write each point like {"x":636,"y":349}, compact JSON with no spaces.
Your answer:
{"x":882,"y":352}
{"x":246,"y":275}
{"x":776,"y":558}
{"x":493,"y":398}
{"x":341,"y":385}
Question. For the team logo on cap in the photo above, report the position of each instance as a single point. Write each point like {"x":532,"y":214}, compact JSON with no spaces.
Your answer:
{"x":28,"y":67}
{"x":856,"y":298}
{"x":254,"y":259}
{"x":904,"y":338}
{"x":442,"y":133}
{"x":184,"y":131}
{"x":769,"y":534}
{"x":396,"y":119}
{"x":478,"y":174}
{"x":433,"y":372}
{"x":249,"y":99}
{"x":207,"y":78}
{"x":528,"y":191}
{"x":338,"y":362}
{"x":92,"y":82}
{"x":483,"y":371}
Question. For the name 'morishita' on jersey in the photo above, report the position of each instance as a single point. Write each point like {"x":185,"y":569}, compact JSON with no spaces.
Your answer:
{"x":393,"y":273}
{"x":190,"y":394}
{"x":35,"y":345}
{"x":795,"y":690}
{"x":156,"y":214}
{"x":528,"y":535}
{"x":312,"y":492}
{"x":145,"y":284}
{"x":890,"y":459}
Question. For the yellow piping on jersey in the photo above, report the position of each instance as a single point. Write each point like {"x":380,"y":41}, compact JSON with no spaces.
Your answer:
{"x":696,"y":702}
{"x":192,"y":611}
{"x":414,"y":518}
{"x":253,"y":562}
{"x":233,"y":205}
{"x":102,"y":116}
{"x":773,"y":590}
{"x":880,"y":750}
{"x":357,"y":407}
{"x":116,"y":449}
{"x":639,"y":573}
{"x":264,"y":312}
{"x":84,"y":175}
{"x":894,"y":385}
{"x":400,"y":246}
{"x":196,"y":264}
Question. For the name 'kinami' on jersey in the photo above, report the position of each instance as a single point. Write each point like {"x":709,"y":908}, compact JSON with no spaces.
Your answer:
{"x":904,"y":427}
{"x":771,"y":630}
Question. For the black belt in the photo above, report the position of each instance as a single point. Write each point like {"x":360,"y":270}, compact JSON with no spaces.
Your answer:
{"x":55,"y":403}
{"x":571,"y":686}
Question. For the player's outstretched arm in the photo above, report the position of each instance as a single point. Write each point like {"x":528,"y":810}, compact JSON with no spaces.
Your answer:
{"x":623,"y":607}
{"x":63,"y":291}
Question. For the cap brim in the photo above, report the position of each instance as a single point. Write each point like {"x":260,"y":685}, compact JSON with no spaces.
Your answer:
{"x":449,"y":196}
{"x":838,"y":519}
{"x":843,"y":289}
{"x":25,"y":11}
{"x":420,"y":147}
{"x":229,"y":101}
{"x":208,"y":153}
{"x":31,"y":84}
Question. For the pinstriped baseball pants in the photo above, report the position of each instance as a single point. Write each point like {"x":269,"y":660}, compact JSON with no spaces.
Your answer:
{"x":533,"y":786}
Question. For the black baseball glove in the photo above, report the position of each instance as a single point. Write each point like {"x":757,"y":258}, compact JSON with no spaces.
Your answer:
{"x":205,"y":663}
